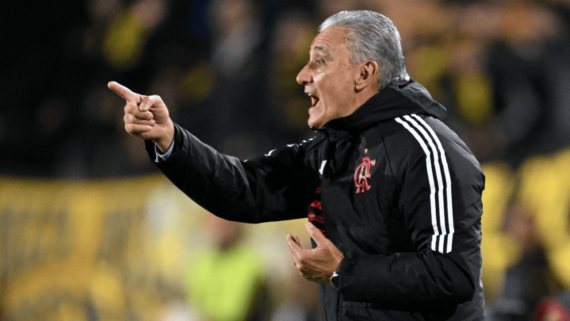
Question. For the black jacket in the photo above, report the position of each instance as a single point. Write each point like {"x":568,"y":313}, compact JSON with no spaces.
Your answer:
{"x":391,"y":186}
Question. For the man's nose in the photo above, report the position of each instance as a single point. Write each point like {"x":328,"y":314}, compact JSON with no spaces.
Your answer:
{"x":304,"y":77}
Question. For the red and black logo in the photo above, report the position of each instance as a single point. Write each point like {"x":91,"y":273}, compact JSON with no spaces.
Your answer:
{"x":363,"y":174}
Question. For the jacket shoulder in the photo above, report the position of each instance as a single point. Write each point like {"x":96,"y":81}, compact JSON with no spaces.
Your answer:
{"x":401,"y":140}
{"x":412,"y":137}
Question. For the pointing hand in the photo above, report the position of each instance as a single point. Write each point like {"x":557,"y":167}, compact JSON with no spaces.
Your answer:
{"x":146,"y":117}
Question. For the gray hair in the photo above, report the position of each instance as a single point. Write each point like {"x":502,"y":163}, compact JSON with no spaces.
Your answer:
{"x":371,"y":36}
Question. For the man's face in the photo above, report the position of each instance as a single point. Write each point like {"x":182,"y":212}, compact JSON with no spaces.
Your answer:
{"x":329,"y":78}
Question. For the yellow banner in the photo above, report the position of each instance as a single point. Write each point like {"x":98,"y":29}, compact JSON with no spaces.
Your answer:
{"x":77,"y":251}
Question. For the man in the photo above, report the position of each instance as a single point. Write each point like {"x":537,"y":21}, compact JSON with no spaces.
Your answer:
{"x":227,"y":282}
{"x":393,"y":196}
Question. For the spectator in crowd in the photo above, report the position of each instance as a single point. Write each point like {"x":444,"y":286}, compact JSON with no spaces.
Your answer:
{"x":554,"y":308}
{"x":228,"y":283}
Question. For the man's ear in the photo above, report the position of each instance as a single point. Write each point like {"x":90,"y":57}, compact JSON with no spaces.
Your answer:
{"x":367,"y":75}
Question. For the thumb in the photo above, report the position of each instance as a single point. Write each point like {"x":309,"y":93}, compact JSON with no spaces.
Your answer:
{"x":124,"y":92}
{"x":147,"y":102}
{"x":315,"y":233}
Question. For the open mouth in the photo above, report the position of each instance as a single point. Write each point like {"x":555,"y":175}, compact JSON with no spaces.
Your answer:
{"x":314,"y":100}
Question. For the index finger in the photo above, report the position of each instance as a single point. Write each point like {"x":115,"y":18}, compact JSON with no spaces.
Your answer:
{"x":124,"y":92}
{"x":293,"y":245}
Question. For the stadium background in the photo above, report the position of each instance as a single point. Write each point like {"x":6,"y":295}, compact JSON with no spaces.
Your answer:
{"x":91,"y":231}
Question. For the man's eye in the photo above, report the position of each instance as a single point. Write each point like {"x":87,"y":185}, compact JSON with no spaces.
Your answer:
{"x":320,"y":61}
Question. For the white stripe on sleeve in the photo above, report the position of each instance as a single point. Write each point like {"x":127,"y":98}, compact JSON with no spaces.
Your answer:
{"x":430,"y":179}
{"x":440,"y":189}
{"x":447,"y":182}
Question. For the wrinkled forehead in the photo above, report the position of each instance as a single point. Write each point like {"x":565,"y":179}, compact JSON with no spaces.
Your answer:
{"x":328,"y":41}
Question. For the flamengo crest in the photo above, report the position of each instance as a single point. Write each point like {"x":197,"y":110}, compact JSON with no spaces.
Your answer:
{"x":362,"y":175}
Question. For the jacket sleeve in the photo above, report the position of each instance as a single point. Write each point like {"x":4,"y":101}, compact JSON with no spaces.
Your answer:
{"x":263,"y":189}
{"x":439,"y":201}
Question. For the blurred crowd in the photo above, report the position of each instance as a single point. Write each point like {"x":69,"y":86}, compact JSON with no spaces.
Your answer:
{"x":226,"y":70}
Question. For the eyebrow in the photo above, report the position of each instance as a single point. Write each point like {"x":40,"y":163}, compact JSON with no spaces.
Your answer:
{"x":323,"y":49}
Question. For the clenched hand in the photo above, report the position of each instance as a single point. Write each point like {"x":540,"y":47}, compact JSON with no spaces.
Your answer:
{"x":146,"y":117}
{"x":316,"y":264}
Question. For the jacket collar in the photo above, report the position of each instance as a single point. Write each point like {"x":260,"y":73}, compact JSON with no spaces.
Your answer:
{"x":398,"y":98}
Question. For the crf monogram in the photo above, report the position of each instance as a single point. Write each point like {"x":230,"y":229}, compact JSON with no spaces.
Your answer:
{"x":362,"y":174}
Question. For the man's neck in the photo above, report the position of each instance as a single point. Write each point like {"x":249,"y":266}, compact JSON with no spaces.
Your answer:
{"x":363,"y":97}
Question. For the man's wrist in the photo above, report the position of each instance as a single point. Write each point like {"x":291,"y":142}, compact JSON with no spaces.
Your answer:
{"x":163,"y":143}
{"x":335,"y":278}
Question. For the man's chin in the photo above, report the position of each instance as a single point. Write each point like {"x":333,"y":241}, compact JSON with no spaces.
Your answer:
{"x":315,"y":118}
{"x":315,"y":124}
